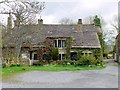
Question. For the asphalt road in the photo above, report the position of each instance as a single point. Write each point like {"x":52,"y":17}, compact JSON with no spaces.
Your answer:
{"x":105,"y":78}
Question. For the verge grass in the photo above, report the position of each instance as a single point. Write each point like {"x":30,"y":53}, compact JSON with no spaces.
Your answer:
{"x":9,"y":72}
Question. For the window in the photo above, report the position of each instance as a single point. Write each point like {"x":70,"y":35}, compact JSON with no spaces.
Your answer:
{"x":55,"y":42}
{"x":63,"y":43}
{"x":35,"y":56}
{"x":60,"y":43}
{"x":61,"y":56}
{"x":24,"y":55}
{"x":73,"y":55}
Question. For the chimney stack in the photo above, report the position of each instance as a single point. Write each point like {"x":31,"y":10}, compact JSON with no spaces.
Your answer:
{"x":9,"y":26}
{"x":40,"y":21}
{"x":79,"y":21}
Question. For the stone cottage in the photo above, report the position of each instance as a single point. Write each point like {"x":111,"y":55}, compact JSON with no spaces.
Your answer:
{"x":71,"y":40}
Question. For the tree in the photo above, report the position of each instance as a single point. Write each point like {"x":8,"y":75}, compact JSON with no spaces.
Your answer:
{"x":90,"y":20}
{"x":24,"y":12}
{"x":115,"y":23}
{"x":55,"y":54}
{"x":66,"y":21}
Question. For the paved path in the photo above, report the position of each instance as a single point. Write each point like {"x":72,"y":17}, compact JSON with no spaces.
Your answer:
{"x":105,"y":78}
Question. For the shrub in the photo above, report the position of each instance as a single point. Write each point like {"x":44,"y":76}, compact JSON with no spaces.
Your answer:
{"x":12,"y":65}
{"x":42,"y":62}
{"x":18,"y":65}
{"x":3,"y":65}
{"x":100,"y":61}
{"x":66,"y":62}
{"x":73,"y":62}
{"x":87,"y":60}
{"x":59,"y":62}
{"x":55,"y":54}
{"x":52,"y":62}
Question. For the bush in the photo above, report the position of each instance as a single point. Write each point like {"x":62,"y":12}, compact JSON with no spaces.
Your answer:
{"x":55,"y":54}
{"x":18,"y":65}
{"x":43,"y":62}
{"x":87,"y":60}
{"x":12,"y":65}
{"x":73,"y":62}
{"x":70,"y":62}
{"x":100,"y":61}
{"x":66,"y":62}
{"x":3,"y":65}
{"x":52,"y":62}
{"x":59,"y":62}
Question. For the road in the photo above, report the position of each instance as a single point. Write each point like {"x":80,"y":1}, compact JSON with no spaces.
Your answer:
{"x":105,"y":78}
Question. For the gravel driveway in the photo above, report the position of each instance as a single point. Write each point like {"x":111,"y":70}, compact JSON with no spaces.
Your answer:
{"x":105,"y":78}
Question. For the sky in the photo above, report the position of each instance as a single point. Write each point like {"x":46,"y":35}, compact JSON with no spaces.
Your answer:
{"x":80,"y":9}
{"x":55,"y":10}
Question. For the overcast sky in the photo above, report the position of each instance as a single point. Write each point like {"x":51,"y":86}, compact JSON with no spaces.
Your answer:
{"x":80,"y":9}
{"x":54,"y":11}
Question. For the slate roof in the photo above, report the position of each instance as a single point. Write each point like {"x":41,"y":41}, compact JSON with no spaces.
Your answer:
{"x":85,"y":36}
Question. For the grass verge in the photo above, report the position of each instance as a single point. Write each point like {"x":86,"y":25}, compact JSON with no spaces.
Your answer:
{"x":9,"y":72}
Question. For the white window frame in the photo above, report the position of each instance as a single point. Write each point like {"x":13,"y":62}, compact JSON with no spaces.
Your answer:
{"x":24,"y":55}
{"x":61,"y":41}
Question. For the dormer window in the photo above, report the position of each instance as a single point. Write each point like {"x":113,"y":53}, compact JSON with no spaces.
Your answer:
{"x":60,"y":43}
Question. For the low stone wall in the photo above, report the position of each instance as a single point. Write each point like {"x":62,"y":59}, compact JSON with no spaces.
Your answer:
{"x":16,"y":61}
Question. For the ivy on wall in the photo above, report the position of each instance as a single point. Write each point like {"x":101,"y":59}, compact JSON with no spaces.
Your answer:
{"x":68,"y":47}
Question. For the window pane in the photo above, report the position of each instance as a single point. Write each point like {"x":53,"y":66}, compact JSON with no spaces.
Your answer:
{"x":59,"y":43}
{"x":55,"y":43}
{"x":35,"y":56}
{"x":63,"y":43}
{"x":63,"y":56}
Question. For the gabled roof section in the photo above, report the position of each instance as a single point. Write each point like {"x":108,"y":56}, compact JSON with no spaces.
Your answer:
{"x":83,"y":35}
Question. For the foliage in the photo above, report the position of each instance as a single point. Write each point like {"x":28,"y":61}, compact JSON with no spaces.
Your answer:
{"x":42,"y":62}
{"x":14,"y":65}
{"x":87,"y":60}
{"x":53,"y":62}
{"x":24,"y":11}
{"x":59,"y":62}
{"x":3,"y":65}
{"x":18,"y":65}
{"x":68,"y":47}
{"x":66,"y":21}
{"x":55,"y":54}
{"x":97,"y":21}
{"x":70,"y":62}
{"x":100,"y":62}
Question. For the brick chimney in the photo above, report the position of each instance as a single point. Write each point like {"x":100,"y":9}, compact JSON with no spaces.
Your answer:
{"x":9,"y":23}
{"x":16,"y":22}
{"x":40,"y":21}
{"x":79,"y":21}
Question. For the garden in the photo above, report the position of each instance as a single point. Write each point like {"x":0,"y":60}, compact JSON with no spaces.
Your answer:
{"x":84,"y":63}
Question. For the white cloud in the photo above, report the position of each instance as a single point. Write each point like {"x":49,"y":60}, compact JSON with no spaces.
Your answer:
{"x":48,"y":19}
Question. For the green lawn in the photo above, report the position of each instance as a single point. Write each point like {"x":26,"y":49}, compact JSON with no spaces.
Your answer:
{"x":11,"y":71}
